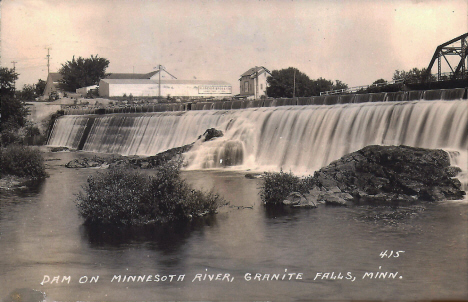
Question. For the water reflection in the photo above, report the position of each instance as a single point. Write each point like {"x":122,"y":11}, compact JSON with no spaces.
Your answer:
{"x":27,"y":189}
{"x":279,"y":211}
{"x":167,"y":239}
{"x":386,"y":215}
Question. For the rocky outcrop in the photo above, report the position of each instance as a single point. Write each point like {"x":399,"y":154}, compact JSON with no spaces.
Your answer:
{"x":384,"y":174}
{"x":153,"y":161}
{"x":59,"y":149}
{"x":142,"y":162}
{"x":210,"y":134}
{"x":86,"y":162}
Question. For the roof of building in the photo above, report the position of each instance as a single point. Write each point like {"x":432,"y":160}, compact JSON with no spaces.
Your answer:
{"x":131,"y":75}
{"x":255,"y":70}
{"x":54,"y":76}
{"x":164,"y":81}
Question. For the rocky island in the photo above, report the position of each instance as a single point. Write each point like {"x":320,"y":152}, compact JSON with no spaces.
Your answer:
{"x":382,"y":174}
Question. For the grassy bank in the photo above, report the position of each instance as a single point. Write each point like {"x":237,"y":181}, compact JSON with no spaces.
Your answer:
{"x":128,"y":197}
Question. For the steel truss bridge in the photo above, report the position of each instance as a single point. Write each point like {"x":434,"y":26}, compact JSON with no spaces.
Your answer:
{"x":457,"y":47}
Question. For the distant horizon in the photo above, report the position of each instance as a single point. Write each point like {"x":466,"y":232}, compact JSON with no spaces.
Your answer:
{"x":356,"y":42}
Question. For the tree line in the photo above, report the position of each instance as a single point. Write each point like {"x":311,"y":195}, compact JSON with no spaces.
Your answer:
{"x":289,"y":82}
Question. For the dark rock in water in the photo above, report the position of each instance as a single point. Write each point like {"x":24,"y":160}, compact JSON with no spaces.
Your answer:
{"x":174,"y":153}
{"x":393,"y":174}
{"x":210,"y":134}
{"x":452,"y":171}
{"x":317,"y":195}
{"x":59,"y":149}
{"x":382,"y":175}
{"x":86,"y":163}
{"x":158,"y":159}
{"x":253,"y":175}
{"x":142,"y":162}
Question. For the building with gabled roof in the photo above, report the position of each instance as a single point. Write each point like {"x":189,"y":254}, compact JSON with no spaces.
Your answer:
{"x":253,"y":82}
{"x":53,"y":84}
{"x":136,"y":76}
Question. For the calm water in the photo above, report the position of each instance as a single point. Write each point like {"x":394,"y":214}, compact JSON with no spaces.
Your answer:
{"x":42,"y":234}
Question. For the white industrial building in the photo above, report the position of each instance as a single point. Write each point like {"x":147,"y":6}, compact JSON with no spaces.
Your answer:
{"x":151,"y":87}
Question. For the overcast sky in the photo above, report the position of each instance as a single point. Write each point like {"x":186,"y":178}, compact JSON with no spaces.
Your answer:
{"x":356,"y":42}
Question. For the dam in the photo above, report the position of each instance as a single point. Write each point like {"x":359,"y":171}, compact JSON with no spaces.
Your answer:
{"x":300,"y":138}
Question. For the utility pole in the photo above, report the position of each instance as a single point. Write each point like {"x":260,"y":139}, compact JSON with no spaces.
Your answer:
{"x":14,"y":71}
{"x":256,"y":83}
{"x":161,"y":68}
{"x":159,"y":73}
{"x":48,"y":62}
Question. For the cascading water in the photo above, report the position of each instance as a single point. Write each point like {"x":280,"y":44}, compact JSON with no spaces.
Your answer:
{"x":297,"y":138}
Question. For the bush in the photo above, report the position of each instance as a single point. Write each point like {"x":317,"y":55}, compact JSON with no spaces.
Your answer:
{"x":11,"y":136}
{"x":22,"y":161}
{"x":53,"y":96}
{"x":127,"y":197}
{"x":33,"y":136}
{"x":278,"y":185}
{"x":28,"y":135}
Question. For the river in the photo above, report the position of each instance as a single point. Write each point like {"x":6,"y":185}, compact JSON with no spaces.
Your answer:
{"x":43,"y":240}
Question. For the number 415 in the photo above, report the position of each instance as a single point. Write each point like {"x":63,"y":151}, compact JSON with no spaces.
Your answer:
{"x":390,"y":254}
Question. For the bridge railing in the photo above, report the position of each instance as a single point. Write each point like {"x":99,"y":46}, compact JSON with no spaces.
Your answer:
{"x":359,"y":88}
{"x":436,"y":78}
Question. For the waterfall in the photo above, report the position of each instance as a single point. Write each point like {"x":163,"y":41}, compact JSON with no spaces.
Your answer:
{"x":297,"y":138}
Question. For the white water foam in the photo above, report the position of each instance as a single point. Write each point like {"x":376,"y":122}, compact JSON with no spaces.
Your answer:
{"x":297,"y":138}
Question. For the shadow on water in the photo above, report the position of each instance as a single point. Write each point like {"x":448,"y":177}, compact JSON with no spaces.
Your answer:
{"x":31,"y":187}
{"x":20,"y":195}
{"x":281,"y":211}
{"x":384,"y":215}
{"x":166,"y":238}
{"x":389,"y":217}
{"x":26,"y":189}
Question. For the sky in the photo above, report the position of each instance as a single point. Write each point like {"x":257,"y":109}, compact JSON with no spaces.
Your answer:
{"x":354,"y":41}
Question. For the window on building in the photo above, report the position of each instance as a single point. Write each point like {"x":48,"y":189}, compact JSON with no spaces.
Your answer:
{"x":246,"y":87}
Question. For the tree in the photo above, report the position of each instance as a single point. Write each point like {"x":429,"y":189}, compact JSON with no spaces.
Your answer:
{"x":321,"y":85}
{"x":281,"y":83}
{"x":40,"y":86}
{"x":413,"y":75}
{"x":83,"y":72}
{"x":28,"y":93}
{"x":379,"y":81}
{"x":339,"y":85}
{"x":13,"y":112}
{"x":8,"y":78}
